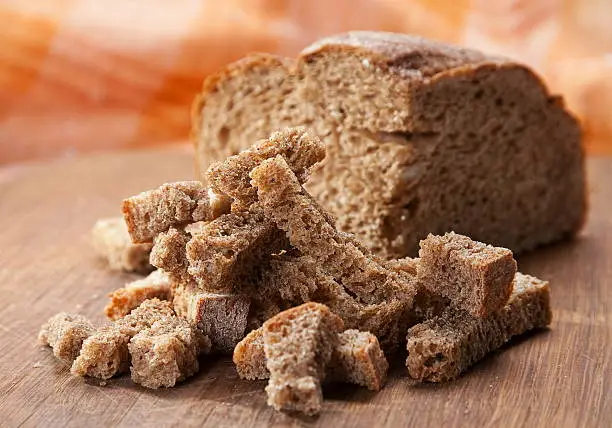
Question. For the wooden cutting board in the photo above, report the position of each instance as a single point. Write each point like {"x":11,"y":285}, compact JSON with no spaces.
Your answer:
{"x":559,"y":377}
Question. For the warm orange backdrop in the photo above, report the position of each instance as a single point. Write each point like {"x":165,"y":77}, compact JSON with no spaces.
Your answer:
{"x":82,"y":75}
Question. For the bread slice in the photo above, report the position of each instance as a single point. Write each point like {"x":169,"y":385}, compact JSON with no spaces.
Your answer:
{"x":421,"y":137}
{"x":442,"y":348}
{"x":476,"y":277}
{"x":172,"y":204}
{"x":112,"y":241}
{"x":65,"y":334}
{"x":357,"y":359}
{"x":298,"y":345}
{"x":123,"y":300}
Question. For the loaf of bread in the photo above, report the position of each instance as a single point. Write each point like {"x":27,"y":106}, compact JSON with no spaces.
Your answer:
{"x":421,"y":138}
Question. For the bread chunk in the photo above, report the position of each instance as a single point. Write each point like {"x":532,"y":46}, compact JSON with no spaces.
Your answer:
{"x":336,"y":254}
{"x":442,"y":348}
{"x":172,"y":204}
{"x":169,"y":254}
{"x":221,"y":317}
{"x":105,"y":353}
{"x":476,"y":277}
{"x":112,"y":241}
{"x":250,"y":357}
{"x":226,"y":254}
{"x":301,"y":278}
{"x":124,"y":300}
{"x":298,"y":345}
{"x":422,"y":137}
{"x":356,"y":359}
{"x":300,"y":150}
{"x":166,"y":353}
{"x":65,"y":334}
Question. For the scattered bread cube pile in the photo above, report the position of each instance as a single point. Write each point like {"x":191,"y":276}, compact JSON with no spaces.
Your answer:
{"x":253,"y":266}
{"x":158,"y":348}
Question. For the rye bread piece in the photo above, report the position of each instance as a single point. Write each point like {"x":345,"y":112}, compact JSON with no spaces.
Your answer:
{"x":298,"y":345}
{"x":220,"y":317}
{"x":169,"y":254}
{"x":299,"y":149}
{"x":476,"y":277}
{"x":284,"y":201}
{"x":227,"y":254}
{"x":357,"y":359}
{"x":412,"y":127}
{"x":104,"y":354}
{"x":124,"y":300}
{"x":249,"y":356}
{"x":166,"y":353}
{"x":172,"y":204}
{"x":301,"y":278}
{"x":65,"y":334}
{"x":112,"y":241}
{"x":442,"y":348}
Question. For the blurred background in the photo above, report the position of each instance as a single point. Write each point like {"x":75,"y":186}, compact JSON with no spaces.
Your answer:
{"x":84,"y":75}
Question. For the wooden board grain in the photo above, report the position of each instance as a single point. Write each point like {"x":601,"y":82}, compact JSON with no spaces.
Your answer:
{"x":560,"y":377}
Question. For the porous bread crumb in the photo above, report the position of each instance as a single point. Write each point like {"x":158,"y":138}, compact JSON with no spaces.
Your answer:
{"x":166,"y":353}
{"x":221,"y":317}
{"x":476,"y":277}
{"x":124,"y":300}
{"x":170,"y":205}
{"x":112,"y":241}
{"x":65,"y":334}
{"x":441,"y":348}
{"x":105,"y":353}
{"x":168,"y":254}
{"x":298,"y":345}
